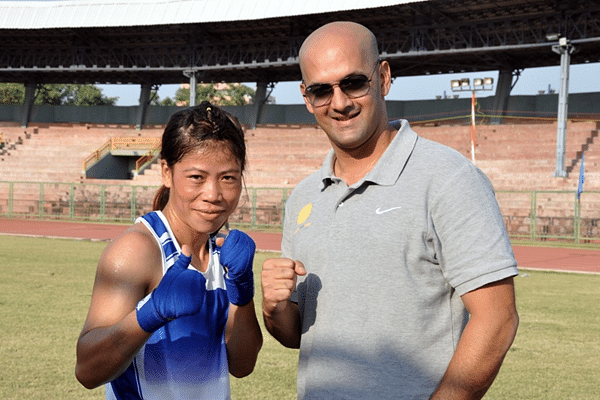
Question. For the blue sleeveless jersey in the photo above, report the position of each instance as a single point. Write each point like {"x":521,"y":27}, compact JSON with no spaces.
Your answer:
{"x":186,"y":358}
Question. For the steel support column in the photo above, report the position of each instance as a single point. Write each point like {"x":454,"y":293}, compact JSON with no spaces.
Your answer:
{"x":564,"y":48}
{"x":260,"y":98}
{"x":193,"y":83}
{"x":28,"y":104}
{"x":143,"y":106}
{"x":503,"y":88}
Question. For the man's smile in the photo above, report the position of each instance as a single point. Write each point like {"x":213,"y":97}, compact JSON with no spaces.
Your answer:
{"x":346,"y":117}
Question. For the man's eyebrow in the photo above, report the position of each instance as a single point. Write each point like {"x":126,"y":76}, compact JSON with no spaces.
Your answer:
{"x":350,"y":75}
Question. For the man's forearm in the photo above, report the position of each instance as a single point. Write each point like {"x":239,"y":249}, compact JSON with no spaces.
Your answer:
{"x":481,"y":348}
{"x":284,"y":324}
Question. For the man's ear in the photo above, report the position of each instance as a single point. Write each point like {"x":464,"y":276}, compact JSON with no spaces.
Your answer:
{"x":166,"y":174}
{"x":385,"y":76}
{"x":309,"y":106}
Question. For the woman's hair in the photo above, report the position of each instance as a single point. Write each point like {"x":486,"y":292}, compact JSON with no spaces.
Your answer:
{"x":196,"y":127}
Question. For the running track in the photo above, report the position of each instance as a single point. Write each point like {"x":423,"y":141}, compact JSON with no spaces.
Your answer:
{"x":528,"y":257}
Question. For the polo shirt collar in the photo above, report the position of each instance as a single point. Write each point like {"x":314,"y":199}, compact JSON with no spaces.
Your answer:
{"x":390,"y":165}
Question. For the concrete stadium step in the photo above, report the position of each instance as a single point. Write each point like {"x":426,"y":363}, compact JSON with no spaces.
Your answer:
{"x":516,"y":157}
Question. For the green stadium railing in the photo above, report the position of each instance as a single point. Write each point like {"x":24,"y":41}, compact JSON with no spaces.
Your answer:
{"x":259,"y":208}
{"x":528,"y":215}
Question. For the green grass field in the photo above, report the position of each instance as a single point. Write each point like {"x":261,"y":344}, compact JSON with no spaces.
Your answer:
{"x":45,"y":289}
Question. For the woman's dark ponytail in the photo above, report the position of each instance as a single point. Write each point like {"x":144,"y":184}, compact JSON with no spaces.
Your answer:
{"x":160,"y":198}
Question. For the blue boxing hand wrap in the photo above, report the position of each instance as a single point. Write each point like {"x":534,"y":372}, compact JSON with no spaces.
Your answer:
{"x":237,"y":254}
{"x":181,"y":292}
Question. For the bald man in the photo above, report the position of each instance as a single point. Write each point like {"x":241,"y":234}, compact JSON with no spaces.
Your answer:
{"x":396,"y":275}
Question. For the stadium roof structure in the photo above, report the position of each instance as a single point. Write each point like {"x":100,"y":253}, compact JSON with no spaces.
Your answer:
{"x":152,"y":42}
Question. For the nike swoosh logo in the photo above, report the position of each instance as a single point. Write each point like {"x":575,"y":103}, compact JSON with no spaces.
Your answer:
{"x":379,"y":211}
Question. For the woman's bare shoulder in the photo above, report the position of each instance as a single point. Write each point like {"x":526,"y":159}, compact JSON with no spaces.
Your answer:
{"x":132,"y":256}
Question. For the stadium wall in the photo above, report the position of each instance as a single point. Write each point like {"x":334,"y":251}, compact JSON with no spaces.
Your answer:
{"x":41,"y":173}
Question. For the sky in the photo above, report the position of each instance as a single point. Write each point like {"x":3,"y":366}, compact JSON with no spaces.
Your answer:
{"x":582,"y":78}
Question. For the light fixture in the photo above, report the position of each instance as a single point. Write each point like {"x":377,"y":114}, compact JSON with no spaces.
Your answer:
{"x":563,"y":41}
{"x":483,"y":83}
{"x":464,"y":84}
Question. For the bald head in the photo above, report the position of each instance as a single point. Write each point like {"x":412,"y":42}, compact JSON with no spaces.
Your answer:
{"x":339,"y":36}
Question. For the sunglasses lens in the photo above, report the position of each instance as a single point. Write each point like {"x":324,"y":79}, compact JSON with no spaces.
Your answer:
{"x":355,"y":86}
{"x":319,"y":93}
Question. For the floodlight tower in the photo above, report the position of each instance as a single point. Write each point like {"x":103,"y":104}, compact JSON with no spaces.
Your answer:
{"x":464,"y":84}
{"x":565,"y":49}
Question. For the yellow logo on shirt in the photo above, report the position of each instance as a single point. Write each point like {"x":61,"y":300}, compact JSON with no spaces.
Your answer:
{"x":304,"y":213}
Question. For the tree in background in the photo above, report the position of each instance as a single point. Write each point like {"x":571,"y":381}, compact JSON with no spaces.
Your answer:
{"x":57,"y":95}
{"x":12,"y":93}
{"x":220,"y":94}
{"x":155,"y":100}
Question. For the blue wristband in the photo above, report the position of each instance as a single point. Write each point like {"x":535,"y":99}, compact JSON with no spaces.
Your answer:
{"x":240,"y":293}
{"x":180,"y":293}
{"x":149,"y":318}
{"x":237,"y":255}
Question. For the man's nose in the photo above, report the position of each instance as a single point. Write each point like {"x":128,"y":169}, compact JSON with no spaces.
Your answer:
{"x":340,"y":100}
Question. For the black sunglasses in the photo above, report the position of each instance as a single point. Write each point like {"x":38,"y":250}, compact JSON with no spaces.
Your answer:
{"x":353,"y":86}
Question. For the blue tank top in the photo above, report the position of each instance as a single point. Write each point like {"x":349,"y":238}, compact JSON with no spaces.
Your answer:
{"x":186,"y":358}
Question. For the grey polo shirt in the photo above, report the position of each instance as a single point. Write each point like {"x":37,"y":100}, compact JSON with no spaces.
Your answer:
{"x":387,"y":260}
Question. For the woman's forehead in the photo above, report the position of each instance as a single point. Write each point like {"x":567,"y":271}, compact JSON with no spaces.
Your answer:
{"x":210,"y":152}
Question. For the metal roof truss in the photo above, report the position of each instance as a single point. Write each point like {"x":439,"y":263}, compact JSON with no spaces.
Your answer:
{"x":417,"y":38}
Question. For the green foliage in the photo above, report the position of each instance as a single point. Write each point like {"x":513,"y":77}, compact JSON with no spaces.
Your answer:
{"x":167,"y":101}
{"x":11,"y":93}
{"x":222,"y":94}
{"x":57,"y":95}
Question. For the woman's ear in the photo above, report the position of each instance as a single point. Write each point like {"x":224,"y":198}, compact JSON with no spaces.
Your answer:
{"x":166,"y":174}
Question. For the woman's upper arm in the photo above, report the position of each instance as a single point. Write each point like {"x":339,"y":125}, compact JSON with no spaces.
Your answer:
{"x":125,"y":275}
